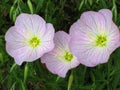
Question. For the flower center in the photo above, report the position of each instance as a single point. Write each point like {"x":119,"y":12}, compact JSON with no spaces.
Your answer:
{"x":68,"y":56}
{"x":101,"y":41}
{"x":34,"y":42}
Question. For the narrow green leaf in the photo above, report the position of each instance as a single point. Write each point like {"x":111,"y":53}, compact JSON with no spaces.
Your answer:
{"x":30,"y":6}
{"x":13,"y":86}
{"x":91,"y":2}
{"x":11,"y":11}
{"x":57,"y":78}
{"x":70,"y":81}
{"x":13,"y":66}
{"x":25,"y":72}
{"x":22,"y":85}
{"x":39,"y":5}
{"x":81,"y":4}
{"x":1,"y":57}
{"x":14,"y":16}
{"x":114,"y":10}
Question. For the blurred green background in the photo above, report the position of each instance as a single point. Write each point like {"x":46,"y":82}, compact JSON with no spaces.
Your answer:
{"x":34,"y":75}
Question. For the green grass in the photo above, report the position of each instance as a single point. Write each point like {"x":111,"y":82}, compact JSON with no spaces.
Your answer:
{"x":62,"y":14}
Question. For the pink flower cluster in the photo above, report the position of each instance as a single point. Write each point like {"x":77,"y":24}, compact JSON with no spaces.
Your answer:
{"x":90,"y":42}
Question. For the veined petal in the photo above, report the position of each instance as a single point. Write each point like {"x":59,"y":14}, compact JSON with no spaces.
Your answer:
{"x":45,"y":47}
{"x":49,"y":33}
{"x":54,"y":65}
{"x":20,"y":54}
{"x":61,"y":39}
{"x":74,"y":63}
{"x":28,"y":55}
{"x":29,"y":39}
{"x":94,"y":37}
{"x":15,"y":34}
{"x":60,"y":60}
{"x":95,"y":56}
{"x":93,"y":20}
{"x":107,"y":14}
{"x":33,"y":23}
{"x":79,"y":30}
{"x":114,"y":37}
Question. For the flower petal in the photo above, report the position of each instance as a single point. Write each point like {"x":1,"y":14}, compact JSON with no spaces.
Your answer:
{"x":95,"y":57}
{"x":15,"y":34}
{"x":54,"y":65}
{"x":54,"y":60}
{"x":49,"y":33}
{"x":45,"y":47}
{"x":107,"y":14}
{"x":21,"y":52}
{"x":61,"y":39}
{"x":83,"y":36}
{"x":114,"y":36}
{"x":93,"y":20}
{"x":33,"y":23}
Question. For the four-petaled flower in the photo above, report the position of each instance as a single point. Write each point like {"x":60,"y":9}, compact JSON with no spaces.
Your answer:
{"x":60,"y":59}
{"x":94,"y":37}
{"x":29,"y":38}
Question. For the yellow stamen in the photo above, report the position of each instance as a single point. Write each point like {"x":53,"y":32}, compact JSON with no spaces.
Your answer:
{"x":101,"y":40}
{"x":34,"y":42}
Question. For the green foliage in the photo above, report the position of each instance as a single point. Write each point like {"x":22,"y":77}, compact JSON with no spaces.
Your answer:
{"x":34,"y":75}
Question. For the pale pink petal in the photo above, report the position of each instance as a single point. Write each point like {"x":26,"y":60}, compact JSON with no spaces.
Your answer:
{"x":79,"y":30}
{"x":74,"y":63}
{"x":114,"y":36}
{"x":79,"y":49}
{"x":53,"y":59}
{"x":11,"y":47}
{"x":33,"y":23}
{"x":15,"y":34}
{"x":107,"y":14}
{"x":95,"y":56}
{"x":25,"y":54}
{"x":83,"y":36}
{"x":14,"y":39}
{"x":54,"y":65}
{"x":93,"y":20}
{"x":20,"y":54}
{"x":91,"y":56}
{"x":49,"y":33}
{"x":45,"y":47}
{"x":61,"y":39}
{"x":87,"y":53}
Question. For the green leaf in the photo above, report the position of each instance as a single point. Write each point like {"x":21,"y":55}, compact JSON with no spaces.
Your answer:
{"x":22,"y":85}
{"x":11,"y":12}
{"x":25,"y":72}
{"x":30,"y":6}
{"x":13,"y":86}
{"x":13,"y":66}
{"x":39,"y":5}
{"x":81,"y":4}
{"x":114,"y":10}
{"x":70,"y":81}
{"x":58,"y":78}
{"x":91,"y":2}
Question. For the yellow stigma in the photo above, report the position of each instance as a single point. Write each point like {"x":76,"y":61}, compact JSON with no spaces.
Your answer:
{"x":34,"y":42}
{"x":101,"y":40}
{"x":68,"y":56}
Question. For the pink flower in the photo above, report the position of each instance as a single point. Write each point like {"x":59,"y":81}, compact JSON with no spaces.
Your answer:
{"x":60,"y":59}
{"x":29,"y":38}
{"x":94,"y":37}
